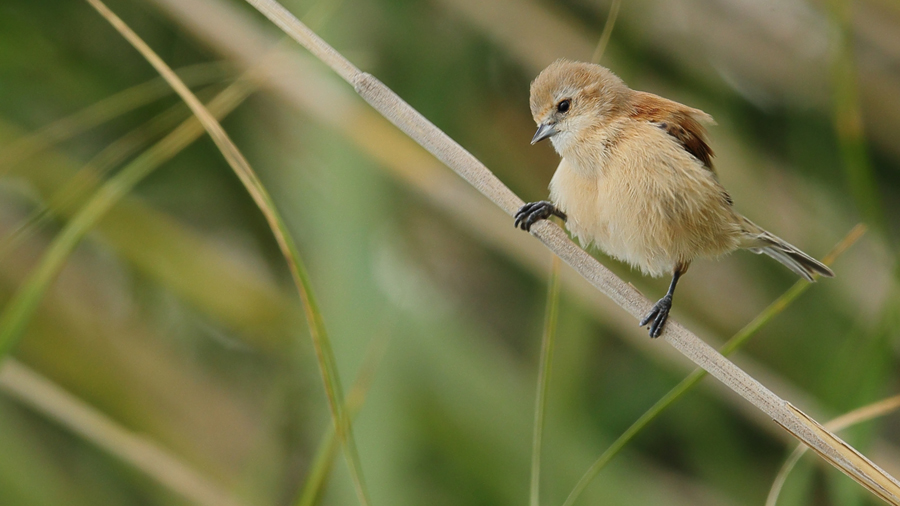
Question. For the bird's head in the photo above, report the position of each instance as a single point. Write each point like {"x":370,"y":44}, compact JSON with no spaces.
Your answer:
{"x":570,"y":99}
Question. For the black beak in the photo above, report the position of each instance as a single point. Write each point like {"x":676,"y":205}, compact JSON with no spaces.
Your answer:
{"x":544,"y":130}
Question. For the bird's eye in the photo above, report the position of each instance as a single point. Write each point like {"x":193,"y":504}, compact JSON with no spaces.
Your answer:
{"x":563,"y":106}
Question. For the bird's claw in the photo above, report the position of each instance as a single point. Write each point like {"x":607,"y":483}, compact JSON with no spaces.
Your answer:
{"x":659,"y":314}
{"x":531,"y":213}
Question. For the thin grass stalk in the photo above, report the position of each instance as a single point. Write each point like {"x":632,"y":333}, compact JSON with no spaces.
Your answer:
{"x":389,"y":104}
{"x":321,"y":342}
{"x":857,"y":416}
{"x":688,"y":383}
{"x":607,"y":31}
{"x":47,"y":398}
{"x":21,"y":308}
{"x":323,"y":461}
{"x":548,"y":342}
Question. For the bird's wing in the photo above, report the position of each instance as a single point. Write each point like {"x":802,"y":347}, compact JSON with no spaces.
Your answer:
{"x":680,"y":121}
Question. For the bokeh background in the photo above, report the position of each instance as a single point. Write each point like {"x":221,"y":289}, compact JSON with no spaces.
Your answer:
{"x":175,"y":330}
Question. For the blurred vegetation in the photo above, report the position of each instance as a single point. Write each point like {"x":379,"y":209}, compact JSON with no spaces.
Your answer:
{"x":176,"y":319}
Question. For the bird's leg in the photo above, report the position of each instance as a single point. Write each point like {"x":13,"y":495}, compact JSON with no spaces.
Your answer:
{"x":660,"y":312}
{"x":532,"y":212}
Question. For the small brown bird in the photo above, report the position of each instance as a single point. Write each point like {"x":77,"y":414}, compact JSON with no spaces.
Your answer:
{"x":637,"y":179}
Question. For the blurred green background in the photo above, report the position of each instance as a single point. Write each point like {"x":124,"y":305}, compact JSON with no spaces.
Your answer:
{"x":176,"y":320}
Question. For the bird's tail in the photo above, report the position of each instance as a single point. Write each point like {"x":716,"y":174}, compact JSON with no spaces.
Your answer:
{"x":759,"y":241}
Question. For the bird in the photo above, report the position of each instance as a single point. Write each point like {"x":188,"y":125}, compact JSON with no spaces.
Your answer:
{"x":637,"y":181}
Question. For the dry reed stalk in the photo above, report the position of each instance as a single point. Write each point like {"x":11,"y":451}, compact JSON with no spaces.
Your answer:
{"x":859,"y":415}
{"x":389,"y":104}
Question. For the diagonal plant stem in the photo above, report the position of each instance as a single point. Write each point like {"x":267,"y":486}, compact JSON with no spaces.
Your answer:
{"x":860,"y":415}
{"x":389,"y":104}
{"x":688,"y":383}
{"x":321,"y":343}
{"x":543,"y":384}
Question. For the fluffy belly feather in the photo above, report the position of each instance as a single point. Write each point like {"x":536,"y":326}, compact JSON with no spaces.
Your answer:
{"x":630,"y":217}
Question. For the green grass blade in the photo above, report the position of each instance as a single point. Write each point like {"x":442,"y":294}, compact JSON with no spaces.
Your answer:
{"x":543,"y":383}
{"x":736,"y":342}
{"x":324,"y":458}
{"x":21,"y":308}
{"x":321,"y":342}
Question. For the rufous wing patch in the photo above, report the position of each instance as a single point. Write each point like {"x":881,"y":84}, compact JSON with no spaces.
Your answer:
{"x":677,"y":120}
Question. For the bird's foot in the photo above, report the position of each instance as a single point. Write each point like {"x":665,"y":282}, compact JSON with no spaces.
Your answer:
{"x":533,"y":212}
{"x":659,"y":314}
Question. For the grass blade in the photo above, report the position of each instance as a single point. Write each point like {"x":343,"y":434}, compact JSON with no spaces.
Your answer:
{"x":738,"y":340}
{"x":321,"y":343}
{"x":543,"y":383}
{"x":607,"y":31}
{"x":324,"y":458}
{"x":860,"y":415}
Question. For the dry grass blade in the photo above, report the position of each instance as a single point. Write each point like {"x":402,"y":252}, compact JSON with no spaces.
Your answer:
{"x":47,"y":398}
{"x":451,"y":153}
{"x":860,"y":415}
{"x":239,"y":164}
{"x":543,"y":383}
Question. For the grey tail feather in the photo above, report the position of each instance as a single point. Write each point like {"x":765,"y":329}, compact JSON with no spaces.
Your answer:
{"x":802,"y":264}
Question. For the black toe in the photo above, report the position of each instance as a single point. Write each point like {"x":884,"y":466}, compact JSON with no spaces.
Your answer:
{"x":658,"y":315}
{"x":532,"y":212}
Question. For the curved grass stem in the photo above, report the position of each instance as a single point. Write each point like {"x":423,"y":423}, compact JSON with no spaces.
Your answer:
{"x":607,"y":31}
{"x":321,"y":343}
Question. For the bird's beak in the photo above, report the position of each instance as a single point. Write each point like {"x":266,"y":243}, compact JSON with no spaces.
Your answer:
{"x":544,"y":130}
